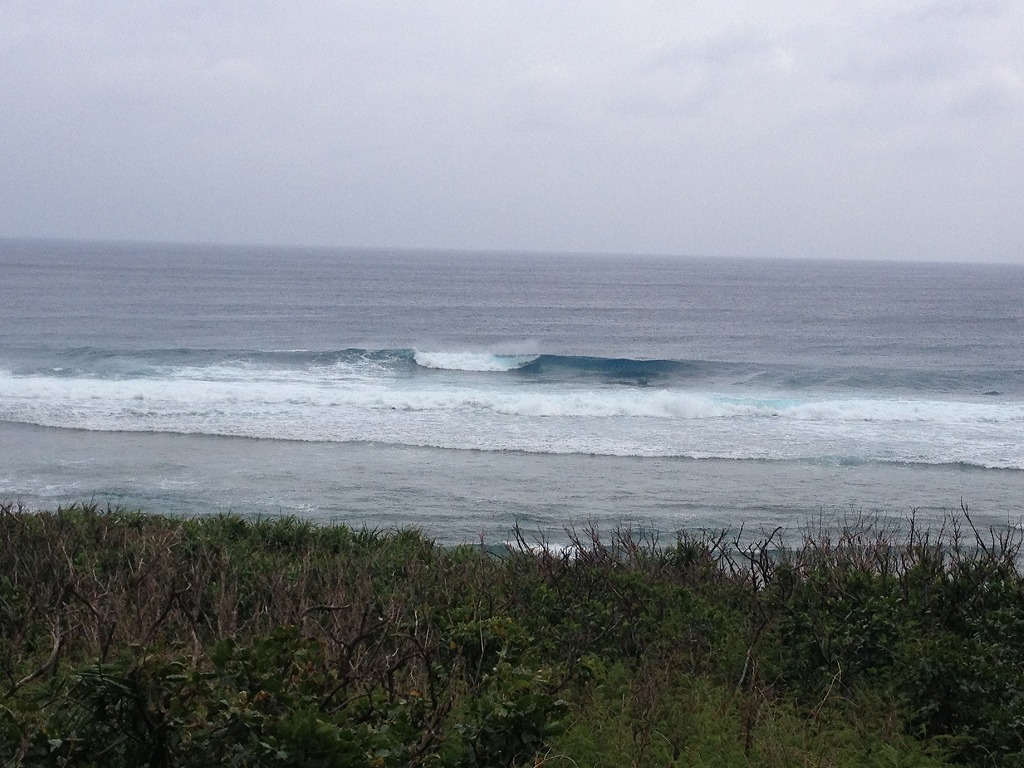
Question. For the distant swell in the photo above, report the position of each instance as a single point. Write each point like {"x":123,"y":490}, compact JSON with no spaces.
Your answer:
{"x":95,"y":363}
{"x":118,"y":364}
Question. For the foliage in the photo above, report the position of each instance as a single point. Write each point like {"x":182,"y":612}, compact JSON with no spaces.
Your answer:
{"x":129,"y":640}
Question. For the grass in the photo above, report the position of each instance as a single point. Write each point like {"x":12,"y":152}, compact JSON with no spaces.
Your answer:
{"x":129,"y":639}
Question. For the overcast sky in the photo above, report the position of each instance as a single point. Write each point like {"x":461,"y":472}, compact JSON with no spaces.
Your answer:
{"x":810,"y":128}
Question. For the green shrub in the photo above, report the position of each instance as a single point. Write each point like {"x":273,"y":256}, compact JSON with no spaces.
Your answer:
{"x":130,"y":639}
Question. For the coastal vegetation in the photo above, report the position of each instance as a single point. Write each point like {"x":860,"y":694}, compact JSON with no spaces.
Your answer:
{"x":129,"y":639}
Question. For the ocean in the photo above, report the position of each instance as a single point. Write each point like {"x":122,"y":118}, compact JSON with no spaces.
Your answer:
{"x":469,"y":393}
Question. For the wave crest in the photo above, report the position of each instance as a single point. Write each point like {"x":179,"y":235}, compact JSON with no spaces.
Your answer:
{"x":471,"y":361}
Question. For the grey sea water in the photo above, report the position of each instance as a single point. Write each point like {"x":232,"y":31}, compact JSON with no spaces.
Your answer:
{"x":466,"y":393}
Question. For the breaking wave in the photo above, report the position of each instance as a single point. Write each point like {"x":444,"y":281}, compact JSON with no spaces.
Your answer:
{"x":508,"y":402}
{"x":471,"y":361}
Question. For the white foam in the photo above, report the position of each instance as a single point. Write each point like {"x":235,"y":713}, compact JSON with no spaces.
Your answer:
{"x":499,"y":414}
{"x":471,"y":361}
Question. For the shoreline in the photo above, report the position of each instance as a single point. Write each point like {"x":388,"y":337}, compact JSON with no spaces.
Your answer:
{"x":456,"y":496}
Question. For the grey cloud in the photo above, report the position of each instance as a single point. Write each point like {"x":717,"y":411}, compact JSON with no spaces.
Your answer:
{"x":726,"y":47}
{"x":958,"y":9}
{"x":711,"y":128}
{"x":684,"y":78}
